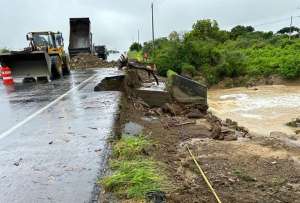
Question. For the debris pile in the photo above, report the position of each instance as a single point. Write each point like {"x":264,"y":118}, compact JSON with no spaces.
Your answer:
{"x":227,"y":130}
{"x":83,"y":61}
{"x":193,"y":119}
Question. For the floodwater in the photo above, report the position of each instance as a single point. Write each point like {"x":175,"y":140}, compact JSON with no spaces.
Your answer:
{"x":262,"y":110}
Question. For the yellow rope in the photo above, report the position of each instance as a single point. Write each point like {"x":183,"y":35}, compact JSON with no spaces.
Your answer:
{"x":204,"y":176}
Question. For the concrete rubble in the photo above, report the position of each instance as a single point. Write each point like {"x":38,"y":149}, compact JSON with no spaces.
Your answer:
{"x":189,"y":108}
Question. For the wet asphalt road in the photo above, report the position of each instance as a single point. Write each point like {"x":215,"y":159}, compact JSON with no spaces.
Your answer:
{"x":55,"y":155}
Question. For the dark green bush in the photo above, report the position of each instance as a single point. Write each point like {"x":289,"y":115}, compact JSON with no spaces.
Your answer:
{"x":188,"y":69}
{"x":135,"y":47}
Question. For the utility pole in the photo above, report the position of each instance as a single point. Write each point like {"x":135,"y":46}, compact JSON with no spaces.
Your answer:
{"x":152,"y":25}
{"x":290,"y":35}
{"x":138,"y":36}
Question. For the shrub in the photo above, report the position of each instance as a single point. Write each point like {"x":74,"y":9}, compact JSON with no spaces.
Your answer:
{"x":188,"y":69}
{"x":290,"y":68}
{"x":210,"y":74}
{"x":232,"y":65}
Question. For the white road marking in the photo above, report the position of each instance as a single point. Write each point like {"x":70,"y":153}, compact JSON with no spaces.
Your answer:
{"x":26,"y":120}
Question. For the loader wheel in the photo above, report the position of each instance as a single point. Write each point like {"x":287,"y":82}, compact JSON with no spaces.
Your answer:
{"x":56,"y":70}
{"x":66,"y":66}
{"x":66,"y":69}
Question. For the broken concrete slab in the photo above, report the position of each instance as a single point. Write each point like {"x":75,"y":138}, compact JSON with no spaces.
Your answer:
{"x":185,"y":90}
{"x":154,"y":98}
{"x":113,"y":83}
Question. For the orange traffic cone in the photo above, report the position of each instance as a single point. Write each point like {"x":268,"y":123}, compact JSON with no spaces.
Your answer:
{"x":6,"y":74}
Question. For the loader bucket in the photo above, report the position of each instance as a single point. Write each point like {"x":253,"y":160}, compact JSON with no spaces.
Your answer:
{"x":28,"y":64}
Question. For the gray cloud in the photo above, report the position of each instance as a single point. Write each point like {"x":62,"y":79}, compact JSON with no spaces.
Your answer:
{"x":115,"y":22}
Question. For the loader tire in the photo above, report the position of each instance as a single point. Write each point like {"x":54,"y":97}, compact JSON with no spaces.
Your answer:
{"x":56,"y":72}
{"x":66,"y":66}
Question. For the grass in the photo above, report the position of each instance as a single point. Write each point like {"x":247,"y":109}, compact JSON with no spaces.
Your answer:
{"x":130,"y":147}
{"x":133,"y":179}
{"x":134,"y":174}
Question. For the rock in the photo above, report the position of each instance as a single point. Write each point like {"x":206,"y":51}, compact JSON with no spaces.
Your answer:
{"x":133,"y":129}
{"x":204,"y":124}
{"x":167,"y":108}
{"x":277,"y":134}
{"x":293,"y":138}
{"x":231,"y":137}
{"x":216,"y":131}
{"x":51,"y":142}
{"x":156,"y":197}
{"x":297,"y":132}
{"x":17,"y":163}
{"x":294,"y":123}
{"x":226,"y":130}
{"x":231,"y":123}
{"x":195,"y":113}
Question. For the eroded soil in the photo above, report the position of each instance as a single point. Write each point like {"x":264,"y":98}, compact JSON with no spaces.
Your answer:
{"x":248,"y":170}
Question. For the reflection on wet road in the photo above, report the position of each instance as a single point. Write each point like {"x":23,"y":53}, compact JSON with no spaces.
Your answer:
{"x":57,"y":155}
{"x":263,"y":109}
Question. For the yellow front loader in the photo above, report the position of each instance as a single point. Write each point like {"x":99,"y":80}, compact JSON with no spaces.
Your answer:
{"x":44,"y":58}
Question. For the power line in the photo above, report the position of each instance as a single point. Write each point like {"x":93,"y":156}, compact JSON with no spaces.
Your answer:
{"x":287,"y":19}
{"x":272,"y":22}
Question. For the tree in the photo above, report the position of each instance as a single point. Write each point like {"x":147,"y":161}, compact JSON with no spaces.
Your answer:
{"x":135,"y":47}
{"x":204,"y":29}
{"x":287,"y":30}
{"x":240,"y":30}
{"x":4,"y":50}
{"x":174,"y":36}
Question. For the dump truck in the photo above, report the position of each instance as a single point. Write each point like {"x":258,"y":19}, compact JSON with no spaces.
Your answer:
{"x":45,"y":57}
{"x":101,"y":52}
{"x":80,"y":36}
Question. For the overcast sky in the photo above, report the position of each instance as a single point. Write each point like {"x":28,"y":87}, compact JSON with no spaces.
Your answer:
{"x":115,"y":23}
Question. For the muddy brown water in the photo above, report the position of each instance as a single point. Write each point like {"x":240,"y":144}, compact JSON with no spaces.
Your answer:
{"x":262,"y":109}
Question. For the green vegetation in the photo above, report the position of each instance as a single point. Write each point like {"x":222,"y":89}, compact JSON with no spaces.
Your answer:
{"x":4,"y":50}
{"x":134,"y":174}
{"x":215,"y":54}
{"x":136,"y":55}
{"x":135,"y":47}
{"x":130,"y":147}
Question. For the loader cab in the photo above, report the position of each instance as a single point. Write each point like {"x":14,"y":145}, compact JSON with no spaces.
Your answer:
{"x":43,"y":41}
{"x":59,"y":40}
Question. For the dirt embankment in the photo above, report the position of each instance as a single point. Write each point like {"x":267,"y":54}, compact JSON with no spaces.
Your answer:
{"x":83,"y":61}
{"x":241,"y":168}
{"x":251,"y":81}
{"x":246,"y":170}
